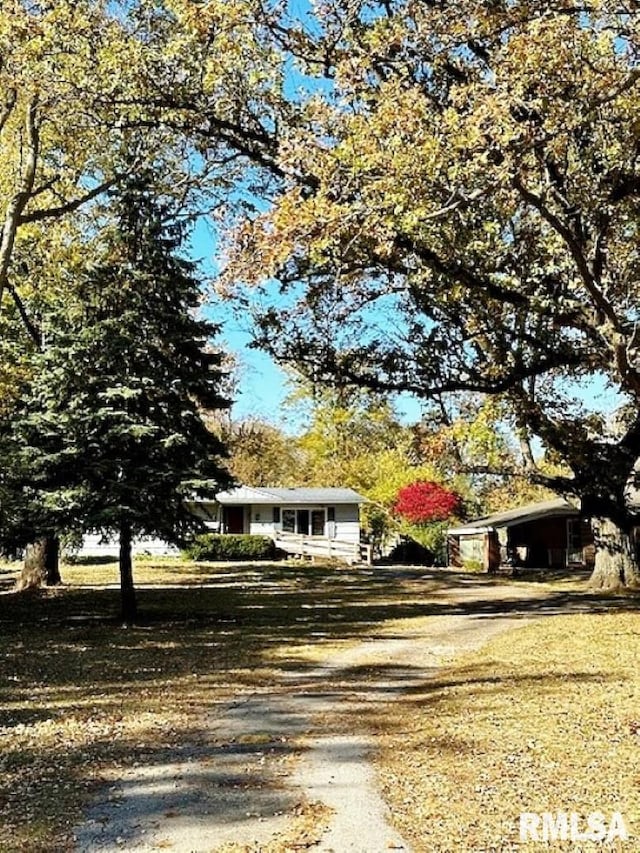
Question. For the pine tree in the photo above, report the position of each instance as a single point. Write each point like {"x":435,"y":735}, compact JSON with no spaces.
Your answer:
{"x":111,"y":428}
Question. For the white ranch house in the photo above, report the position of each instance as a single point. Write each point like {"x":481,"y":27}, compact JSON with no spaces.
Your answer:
{"x":306,"y":521}
{"x":334,"y":513}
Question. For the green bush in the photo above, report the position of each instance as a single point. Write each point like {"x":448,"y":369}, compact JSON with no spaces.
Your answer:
{"x":230,"y":546}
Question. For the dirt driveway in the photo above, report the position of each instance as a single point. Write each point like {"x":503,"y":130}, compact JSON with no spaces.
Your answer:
{"x":280,"y":770}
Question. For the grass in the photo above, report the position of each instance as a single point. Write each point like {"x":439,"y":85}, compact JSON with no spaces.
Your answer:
{"x":80,"y":696}
{"x":545,"y":718}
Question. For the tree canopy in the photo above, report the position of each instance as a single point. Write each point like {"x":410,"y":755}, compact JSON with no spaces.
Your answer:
{"x":460,"y":213}
{"x":422,"y":502}
{"x":60,"y":65}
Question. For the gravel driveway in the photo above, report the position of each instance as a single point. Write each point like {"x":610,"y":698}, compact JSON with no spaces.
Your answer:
{"x":272,"y":753}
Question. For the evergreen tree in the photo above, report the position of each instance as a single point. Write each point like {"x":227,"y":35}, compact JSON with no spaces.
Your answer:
{"x":110,"y":428}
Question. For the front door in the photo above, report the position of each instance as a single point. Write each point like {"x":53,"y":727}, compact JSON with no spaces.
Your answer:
{"x":303,"y":522}
{"x":234,"y":519}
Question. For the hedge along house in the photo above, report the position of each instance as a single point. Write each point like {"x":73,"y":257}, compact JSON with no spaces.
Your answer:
{"x":551,"y":534}
{"x":324,"y":515}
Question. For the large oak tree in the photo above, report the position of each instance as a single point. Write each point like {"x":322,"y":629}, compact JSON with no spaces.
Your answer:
{"x":459,"y":213}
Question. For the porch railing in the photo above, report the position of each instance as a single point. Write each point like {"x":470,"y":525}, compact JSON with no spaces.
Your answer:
{"x":323,"y":547}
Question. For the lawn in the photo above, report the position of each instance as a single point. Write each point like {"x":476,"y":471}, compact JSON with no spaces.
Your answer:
{"x":543,"y":719}
{"x":81,"y":696}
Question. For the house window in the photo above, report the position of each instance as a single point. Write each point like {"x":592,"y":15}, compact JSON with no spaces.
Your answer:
{"x":331,"y":513}
{"x":303,"y":521}
{"x":276,"y":515}
{"x":574,"y":541}
{"x":317,"y":522}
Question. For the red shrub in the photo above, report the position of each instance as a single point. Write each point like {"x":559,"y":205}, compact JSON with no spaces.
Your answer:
{"x":422,"y":502}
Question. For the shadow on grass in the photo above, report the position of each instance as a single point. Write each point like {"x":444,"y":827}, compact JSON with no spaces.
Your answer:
{"x":190,"y":780}
{"x":424,"y":685}
{"x":64,"y":655}
{"x":98,"y":560}
{"x":225,"y":785}
{"x":56,"y":642}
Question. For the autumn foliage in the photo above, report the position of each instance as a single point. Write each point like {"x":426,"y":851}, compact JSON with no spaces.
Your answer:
{"x":423,"y":502}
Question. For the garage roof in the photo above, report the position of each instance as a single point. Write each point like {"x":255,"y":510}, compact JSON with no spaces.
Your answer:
{"x":520,"y":515}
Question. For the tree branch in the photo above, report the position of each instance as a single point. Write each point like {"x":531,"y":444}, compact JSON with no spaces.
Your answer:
{"x":555,"y":482}
{"x":35,"y":332}
{"x":8,"y":107}
{"x":569,"y":238}
{"x":343,"y":366}
{"x":67,"y":207}
{"x":21,"y":197}
{"x":458,"y":271}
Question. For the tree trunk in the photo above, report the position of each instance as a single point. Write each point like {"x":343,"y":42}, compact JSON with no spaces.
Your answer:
{"x":127,"y":590}
{"x":41,"y":564}
{"x":52,"y":561}
{"x":616,"y":562}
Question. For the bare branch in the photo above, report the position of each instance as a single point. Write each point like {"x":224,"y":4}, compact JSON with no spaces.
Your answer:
{"x":35,"y":332}
{"x":601,"y":303}
{"x":7,"y":107}
{"x":456,"y":270}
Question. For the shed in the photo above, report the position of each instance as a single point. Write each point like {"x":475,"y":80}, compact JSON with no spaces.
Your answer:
{"x":550,"y":534}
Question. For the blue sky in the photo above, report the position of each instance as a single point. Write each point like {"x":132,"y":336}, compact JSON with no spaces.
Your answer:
{"x":263,"y":386}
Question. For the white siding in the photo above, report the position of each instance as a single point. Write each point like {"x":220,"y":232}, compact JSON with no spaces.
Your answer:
{"x":154,"y":547}
{"x":348,"y":522}
{"x":346,"y":527}
{"x":261,"y":520}
{"x":93,"y":545}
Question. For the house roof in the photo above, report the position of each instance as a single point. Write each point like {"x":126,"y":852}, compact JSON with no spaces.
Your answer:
{"x":306,"y":496}
{"x":520,"y":515}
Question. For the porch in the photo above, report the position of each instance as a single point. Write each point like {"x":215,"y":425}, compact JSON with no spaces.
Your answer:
{"x":323,"y":547}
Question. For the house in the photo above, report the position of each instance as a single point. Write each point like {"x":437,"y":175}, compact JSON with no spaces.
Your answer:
{"x":306,"y":521}
{"x":551,"y":534}
{"x":107,"y":547}
{"x":329,"y":513}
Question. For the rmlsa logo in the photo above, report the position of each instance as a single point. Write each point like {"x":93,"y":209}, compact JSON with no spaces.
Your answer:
{"x":570,"y":826}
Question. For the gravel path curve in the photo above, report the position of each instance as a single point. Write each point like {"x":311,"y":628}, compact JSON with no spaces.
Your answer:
{"x":243,"y":787}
